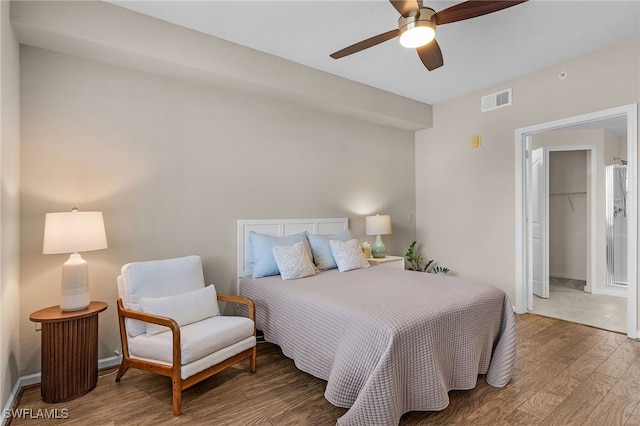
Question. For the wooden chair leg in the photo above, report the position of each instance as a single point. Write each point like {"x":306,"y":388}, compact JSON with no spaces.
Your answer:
{"x":123,"y":369}
{"x":177,"y":396}
{"x":253,"y":360}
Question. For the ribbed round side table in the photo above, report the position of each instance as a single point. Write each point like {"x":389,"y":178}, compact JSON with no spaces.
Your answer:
{"x":69,"y":351}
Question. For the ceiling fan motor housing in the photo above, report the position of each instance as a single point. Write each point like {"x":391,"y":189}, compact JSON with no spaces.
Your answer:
{"x":420,"y":20}
{"x":417,"y":27}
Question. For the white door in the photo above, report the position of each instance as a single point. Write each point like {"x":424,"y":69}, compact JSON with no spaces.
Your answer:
{"x":540,"y":222}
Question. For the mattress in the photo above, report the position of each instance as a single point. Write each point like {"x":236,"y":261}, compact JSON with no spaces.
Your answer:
{"x":388,"y":341}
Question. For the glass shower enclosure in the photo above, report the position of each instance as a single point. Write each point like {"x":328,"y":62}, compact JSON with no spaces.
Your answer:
{"x":616,"y":192}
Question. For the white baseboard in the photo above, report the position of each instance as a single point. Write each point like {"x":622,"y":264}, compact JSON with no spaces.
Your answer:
{"x":576,"y":277}
{"x":33,"y":379}
{"x":13,"y":396}
{"x":109,"y":362}
{"x":611,"y":291}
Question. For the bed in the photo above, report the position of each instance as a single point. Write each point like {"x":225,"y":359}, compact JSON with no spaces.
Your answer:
{"x":387,"y":341}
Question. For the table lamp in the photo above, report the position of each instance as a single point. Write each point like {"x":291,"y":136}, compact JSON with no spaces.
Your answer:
{"x":74,"y":232}
{"x":378,"y":225}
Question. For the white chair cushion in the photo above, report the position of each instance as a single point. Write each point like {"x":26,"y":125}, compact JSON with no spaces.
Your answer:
{"x":217,"y":357}
{"x":197,"y":340}
{"x":158,"y":278}
{"x":185,"y":308}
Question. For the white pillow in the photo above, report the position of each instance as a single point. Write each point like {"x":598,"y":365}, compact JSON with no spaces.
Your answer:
{"x":185,"y":308}
{"x":293,"y":261}
{"x":321,"y":250}
{"x":261,"y":259}
{"x":157,"y":278}
{"x":348,"y":255}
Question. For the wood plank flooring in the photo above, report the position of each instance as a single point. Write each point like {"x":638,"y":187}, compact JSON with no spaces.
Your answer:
{"x":566,"y":374}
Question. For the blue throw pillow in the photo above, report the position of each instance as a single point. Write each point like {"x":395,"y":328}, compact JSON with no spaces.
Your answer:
{"x":261,"y":260}
{"x":322,"y":256}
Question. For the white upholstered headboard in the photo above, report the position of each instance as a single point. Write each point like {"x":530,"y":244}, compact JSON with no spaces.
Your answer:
{"x":279,"y":228}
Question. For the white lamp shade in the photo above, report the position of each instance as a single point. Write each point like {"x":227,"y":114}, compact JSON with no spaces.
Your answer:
{"x":73,"y":232}
{"x":378,"y":224}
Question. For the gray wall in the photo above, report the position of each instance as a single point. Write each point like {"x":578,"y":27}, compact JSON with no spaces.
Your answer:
{"x":10,"y":314}
{"x":568,"y":229}
{"x":465,"y":196}
{"x":173,"y":165}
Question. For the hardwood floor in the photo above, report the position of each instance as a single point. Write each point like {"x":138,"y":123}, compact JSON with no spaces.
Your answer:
{"x":566,"y":374}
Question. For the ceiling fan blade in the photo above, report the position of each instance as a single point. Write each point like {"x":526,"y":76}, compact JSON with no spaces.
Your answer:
{"x":431,"y":55}
{"x":406,"y":8}
{"x":471,"y":9}
{"x":365,"y":44}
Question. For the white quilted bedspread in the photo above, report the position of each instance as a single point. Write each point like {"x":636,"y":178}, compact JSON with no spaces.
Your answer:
{"x":388,"y":341}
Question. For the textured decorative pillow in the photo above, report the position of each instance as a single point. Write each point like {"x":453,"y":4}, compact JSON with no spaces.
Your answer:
{"x":261,"y":259}
{"x":293,"y":261}
{"x":185,"y":308}
{"x":348,"y":255}
{"x":322,"y":256}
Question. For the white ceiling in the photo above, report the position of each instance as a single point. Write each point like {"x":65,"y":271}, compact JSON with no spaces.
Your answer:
{"x":477,"y":53}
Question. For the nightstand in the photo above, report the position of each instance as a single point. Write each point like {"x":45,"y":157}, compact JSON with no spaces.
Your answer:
{"x":388,"y":262}
{"x":69,"y":351}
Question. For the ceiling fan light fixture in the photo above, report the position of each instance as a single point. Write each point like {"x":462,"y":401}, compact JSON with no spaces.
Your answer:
{"x":417,"y":36}
{"x":416,"y":31}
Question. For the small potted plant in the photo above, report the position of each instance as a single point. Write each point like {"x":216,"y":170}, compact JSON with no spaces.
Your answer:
{"x":416,"y":261}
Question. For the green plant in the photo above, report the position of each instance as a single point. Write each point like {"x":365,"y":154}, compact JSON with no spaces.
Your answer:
{"x":414,"y":258}
{"x":416,"y":261}
{"x":440,"y":270}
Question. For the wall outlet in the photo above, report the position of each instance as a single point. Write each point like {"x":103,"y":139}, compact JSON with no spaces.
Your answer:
{"x":410,"y":218}
{"x":38,"y":326}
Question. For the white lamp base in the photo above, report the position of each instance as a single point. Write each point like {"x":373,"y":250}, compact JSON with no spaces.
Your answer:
{"x":74,"y":294}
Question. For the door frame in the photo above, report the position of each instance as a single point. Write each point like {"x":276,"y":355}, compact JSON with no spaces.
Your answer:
{"x":592,"y":207}
{"x":522,"y":266}
{"x":592,"y":189}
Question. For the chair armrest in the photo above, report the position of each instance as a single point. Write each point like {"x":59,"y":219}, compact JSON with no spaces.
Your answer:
{"x":154,"y":319}
{"x":146,"y":317}
{"x":244,"y":301}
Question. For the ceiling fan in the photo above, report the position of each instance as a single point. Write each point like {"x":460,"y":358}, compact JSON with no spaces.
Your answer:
{"x":417,"y":27}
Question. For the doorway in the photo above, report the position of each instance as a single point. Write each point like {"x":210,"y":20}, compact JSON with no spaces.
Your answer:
{"x":524,"y":230}
{"x":568,"y":180}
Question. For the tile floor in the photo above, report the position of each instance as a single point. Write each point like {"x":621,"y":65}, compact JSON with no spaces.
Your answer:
{"x":568,"y":301}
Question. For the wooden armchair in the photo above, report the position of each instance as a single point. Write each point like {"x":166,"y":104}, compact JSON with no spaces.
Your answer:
{"x":170,"y":324}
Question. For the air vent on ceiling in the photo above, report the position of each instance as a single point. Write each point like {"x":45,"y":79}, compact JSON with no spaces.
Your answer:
{"x":495,"y":100}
